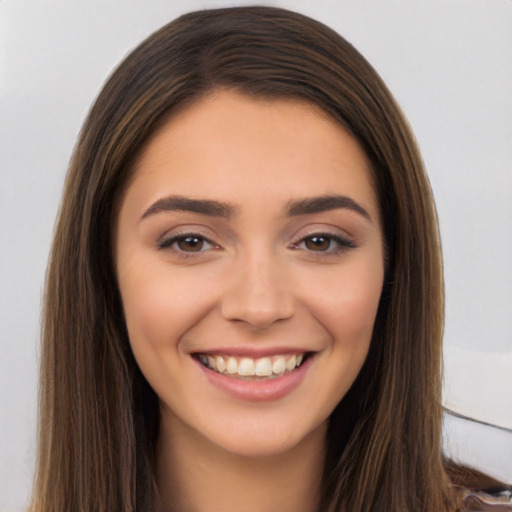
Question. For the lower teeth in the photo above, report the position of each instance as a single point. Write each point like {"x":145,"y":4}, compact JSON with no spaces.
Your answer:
{"x":253,"y":377}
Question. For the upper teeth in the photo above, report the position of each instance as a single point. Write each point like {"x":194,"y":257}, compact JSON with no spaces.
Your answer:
{"x":247,"y":366}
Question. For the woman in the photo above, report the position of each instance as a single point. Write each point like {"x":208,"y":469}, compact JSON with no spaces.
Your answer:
{"x":244,"y":299}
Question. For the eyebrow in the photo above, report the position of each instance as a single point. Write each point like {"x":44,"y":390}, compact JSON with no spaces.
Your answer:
{"x":323,"y":204}
{"x":219,"y":209}
{"x":187,"y":204}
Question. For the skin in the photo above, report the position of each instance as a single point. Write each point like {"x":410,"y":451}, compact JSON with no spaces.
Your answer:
{"x":256,"y":281}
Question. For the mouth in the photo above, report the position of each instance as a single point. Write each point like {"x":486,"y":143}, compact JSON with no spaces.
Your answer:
{"x":248,"y":368}
{"x":261,"y":378}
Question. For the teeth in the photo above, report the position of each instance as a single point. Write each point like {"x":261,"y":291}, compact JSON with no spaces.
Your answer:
{"x":279,"y":365}
{"x":232,"y":366}
{"x":248,"y":367}
{"x":221,"y":365}
{"x":263,"y":367}
{"x":291,"y":363}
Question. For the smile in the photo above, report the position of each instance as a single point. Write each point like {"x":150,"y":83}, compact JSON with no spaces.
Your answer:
{"x":272,"y":366}
{"x":260,"y":378}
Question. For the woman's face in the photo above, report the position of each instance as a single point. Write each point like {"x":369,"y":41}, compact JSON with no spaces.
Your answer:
{"x":250,"y":263}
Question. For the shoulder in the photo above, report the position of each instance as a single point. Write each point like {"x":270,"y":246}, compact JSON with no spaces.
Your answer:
{"x":480,"y":492}
{"x":484,"y":502}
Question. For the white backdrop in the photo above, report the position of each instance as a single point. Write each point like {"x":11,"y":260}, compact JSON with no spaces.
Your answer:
{"x":449,"y":65}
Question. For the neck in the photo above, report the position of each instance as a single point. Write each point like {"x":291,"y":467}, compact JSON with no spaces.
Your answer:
{"x":193,"y":475}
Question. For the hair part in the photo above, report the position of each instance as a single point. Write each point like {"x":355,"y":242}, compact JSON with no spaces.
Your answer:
{"x":99,"y":417}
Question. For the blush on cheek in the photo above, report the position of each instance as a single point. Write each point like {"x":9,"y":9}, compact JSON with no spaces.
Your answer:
{"x":159,"y":312}
{"x":353,"y":308}
{"x":363,"y":297}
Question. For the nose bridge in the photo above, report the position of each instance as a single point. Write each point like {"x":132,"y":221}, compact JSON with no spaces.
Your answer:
{"x":258,"y":292}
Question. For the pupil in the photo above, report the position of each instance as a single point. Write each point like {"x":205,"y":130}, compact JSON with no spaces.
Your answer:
{"x":317,"y":243}
{"x":190,"y":244}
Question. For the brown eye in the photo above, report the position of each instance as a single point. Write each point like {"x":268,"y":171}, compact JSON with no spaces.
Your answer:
{"x":187,"y":243}
{"x":325,"y":243}
{"x":190,"y":244}
{"x":317,"y":243}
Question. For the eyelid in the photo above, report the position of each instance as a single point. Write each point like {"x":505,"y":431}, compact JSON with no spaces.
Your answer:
{"x":343,"y":242}
{"x":169,"y":238}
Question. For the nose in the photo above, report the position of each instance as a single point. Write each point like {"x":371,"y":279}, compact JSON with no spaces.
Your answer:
{"x":258,"y":293}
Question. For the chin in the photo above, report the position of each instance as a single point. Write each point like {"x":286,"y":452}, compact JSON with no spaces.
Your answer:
{"x":253,"y":439}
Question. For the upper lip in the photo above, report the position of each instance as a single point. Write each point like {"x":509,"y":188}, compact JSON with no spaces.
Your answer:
{"x":253,"y":352}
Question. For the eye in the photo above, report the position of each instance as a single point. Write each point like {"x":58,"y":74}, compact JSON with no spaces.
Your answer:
{"x":318,"y":243}
{"x":324,"y":243}
{"x":187,"y":243}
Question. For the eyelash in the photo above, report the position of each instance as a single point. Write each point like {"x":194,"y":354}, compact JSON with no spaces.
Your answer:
{"x":168,"y":243}
{"x":341,"y":243}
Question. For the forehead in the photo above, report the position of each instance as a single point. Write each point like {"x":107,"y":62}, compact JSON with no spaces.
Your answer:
{"x":229,"y":144}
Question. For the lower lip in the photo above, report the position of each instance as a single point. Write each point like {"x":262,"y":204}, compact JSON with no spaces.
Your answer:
{"x":258,"y":390}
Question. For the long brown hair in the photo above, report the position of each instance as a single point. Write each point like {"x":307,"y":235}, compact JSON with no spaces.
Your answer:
{"x":99,"y":417}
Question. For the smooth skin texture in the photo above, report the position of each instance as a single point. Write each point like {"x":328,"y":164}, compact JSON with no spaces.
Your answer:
{"x":267,"y":268}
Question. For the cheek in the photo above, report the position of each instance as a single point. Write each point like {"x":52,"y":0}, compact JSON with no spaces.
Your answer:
{"x":144,"y":297}
{"x":349,"y":308}
{"x":349,"y":316}
{"x":159,"y":307}
{"x":157,"y":315}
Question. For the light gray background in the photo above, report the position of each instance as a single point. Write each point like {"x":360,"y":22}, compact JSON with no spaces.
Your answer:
{"x":449,"y":65}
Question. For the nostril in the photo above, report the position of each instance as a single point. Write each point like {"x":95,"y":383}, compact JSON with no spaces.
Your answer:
{"x":258,"y":293}
{"x":259,"y":320}
{"x":257,"y":310}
